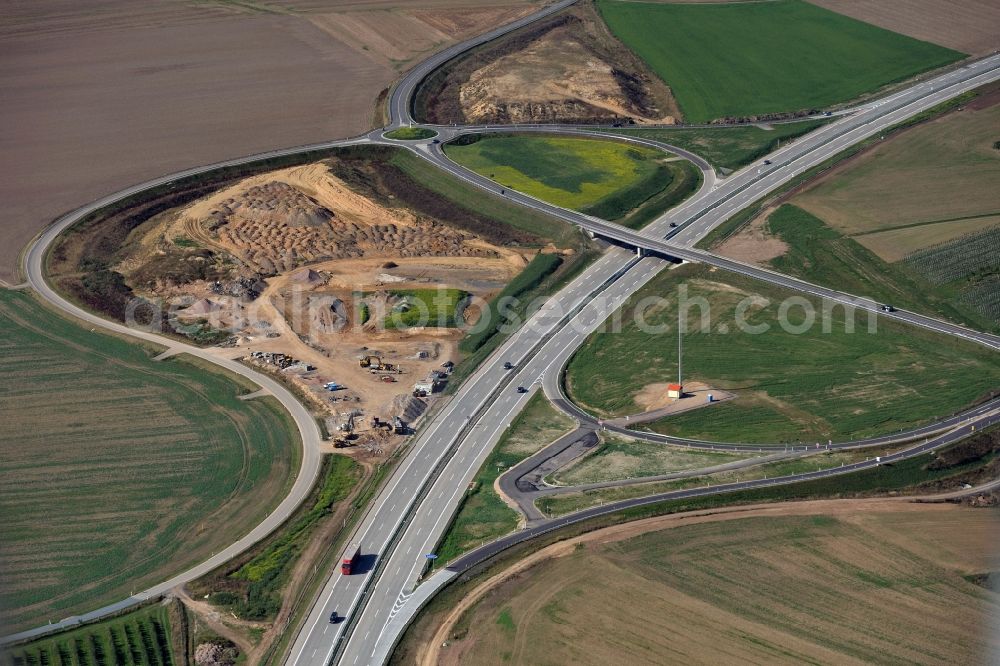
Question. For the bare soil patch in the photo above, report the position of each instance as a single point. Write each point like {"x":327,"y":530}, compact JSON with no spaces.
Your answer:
{"x":968,"y":26}
{"x":656,"y":403}
{"x":753,"y":243}
{"x":281,"y":220}
{"x":308,"y":269}
{"x":567,"y":68}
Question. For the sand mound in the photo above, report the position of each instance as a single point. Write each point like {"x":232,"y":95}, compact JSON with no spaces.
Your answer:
{"x":568,"y":74}
{"x":408,"y":408}
{"x":306,"y":276}
{"x":273,"y":201}
{"x":201,"y":307}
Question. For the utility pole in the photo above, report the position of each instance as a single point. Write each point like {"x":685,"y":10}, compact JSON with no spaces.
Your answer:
{"x":680,"y":347}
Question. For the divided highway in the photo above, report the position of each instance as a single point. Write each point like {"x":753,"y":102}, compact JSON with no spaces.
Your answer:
{"x":445,"y":455}
{"x":714,"y":205}
{"x":380,"y":605}
{"x":410,"y":514}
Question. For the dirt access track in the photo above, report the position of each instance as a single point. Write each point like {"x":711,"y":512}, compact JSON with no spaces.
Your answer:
{"x":109,"y":93}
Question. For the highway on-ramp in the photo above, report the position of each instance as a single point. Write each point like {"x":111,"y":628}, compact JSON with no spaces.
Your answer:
{"x":413,"y":509}
{"x":712,"y":206}
{"x":406,"y":526}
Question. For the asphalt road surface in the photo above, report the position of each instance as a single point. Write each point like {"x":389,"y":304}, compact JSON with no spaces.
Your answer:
{"x":412,"y":511}
{"x":481,"y":554}
{"x":707,"y":209}
{"x":380,"y":601}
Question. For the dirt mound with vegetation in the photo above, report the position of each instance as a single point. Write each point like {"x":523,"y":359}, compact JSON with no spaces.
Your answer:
{"x":566,"y":68}
{"x":305,"y":214}
{"x":218,"y":235}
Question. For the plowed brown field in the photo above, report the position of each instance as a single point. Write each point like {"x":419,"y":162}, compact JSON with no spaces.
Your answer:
{"x":969,"y":26}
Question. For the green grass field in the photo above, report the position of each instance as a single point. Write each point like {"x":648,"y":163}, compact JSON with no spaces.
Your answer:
{"x":920,"y":181}
{"x":139,"y":638}
{"x":752,"y":58}
{"x":251,"y":587}
{"x":618,"y":458}
{"x":972,"y":461}
{"x":537,"y":270}
{"x":425,"y":307}
{"x":790,"y":387}
{"x":607,"y":179}
{"x":410,"y":134}
{"x":727,"y":148}
{"x":954,"y":280}
{"x":459,"y":193}
{"x":117,"y":470}
{"x":915,"y":220}
{"x":557,"y":505}
{"x":483,"y":516}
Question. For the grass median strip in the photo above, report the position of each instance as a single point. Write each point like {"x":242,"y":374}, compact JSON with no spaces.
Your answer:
{"x":617,"y":458}
{"x":558,"y":505}
{"x":411,"y":134}
{"x":727,"y":148}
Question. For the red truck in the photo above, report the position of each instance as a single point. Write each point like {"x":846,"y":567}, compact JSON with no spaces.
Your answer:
{"x":350,"y":559}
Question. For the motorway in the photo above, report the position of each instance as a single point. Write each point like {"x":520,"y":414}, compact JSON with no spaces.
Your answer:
{"x":447,"y":454}
{"x":707,"y":209}
{"x":448,"y":451}
{"x":412,"y":511}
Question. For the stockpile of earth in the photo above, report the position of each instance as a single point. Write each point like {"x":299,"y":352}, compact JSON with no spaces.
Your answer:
{"x":275,"y":227}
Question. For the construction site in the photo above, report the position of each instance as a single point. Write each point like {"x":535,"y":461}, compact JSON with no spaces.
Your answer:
{"x":358,"y":306}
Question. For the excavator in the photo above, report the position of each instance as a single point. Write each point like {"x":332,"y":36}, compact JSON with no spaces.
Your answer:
{"x":370,"y":362}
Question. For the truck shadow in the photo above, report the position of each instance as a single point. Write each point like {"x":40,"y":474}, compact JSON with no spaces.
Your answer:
{"x":365,"y":563}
